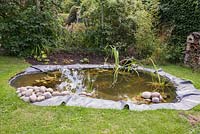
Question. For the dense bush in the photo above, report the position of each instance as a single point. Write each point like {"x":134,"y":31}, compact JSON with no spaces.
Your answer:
{"x":67,"y":4}
{"x":124,"y":24}
{"x":26,"y":29}
{"x":183,"y":16}
{"x":152,"y":6}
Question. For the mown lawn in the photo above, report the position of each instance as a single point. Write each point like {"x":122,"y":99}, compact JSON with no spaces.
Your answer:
{"x":18,"y":117}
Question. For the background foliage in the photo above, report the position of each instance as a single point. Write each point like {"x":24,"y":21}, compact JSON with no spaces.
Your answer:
{"x":139,"y":28}
{"x":26,"y":29}
{"x":182,"y":17}
{"x":125,"y":24}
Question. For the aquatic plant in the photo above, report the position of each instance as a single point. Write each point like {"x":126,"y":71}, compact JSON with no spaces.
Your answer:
{"x":90,"y":83}
{"x":115,"y":52}
{"x":159,"y":84}
{"x":130,"y":64}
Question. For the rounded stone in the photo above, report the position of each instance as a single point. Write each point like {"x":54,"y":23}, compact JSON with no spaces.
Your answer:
{"x":29,"y":87}
{"x":36,"y":88}
{"x":21,"y":89}
{"x":155,"y":100}
{"x":43,"y":89}
{"x":26,"y":99}
{"x":56,"y":93}
{"x":33,"y":98}
{"x":39,"y":93}
{"x":19,"y":94}
{"x":28,"y":92}
{"x":40,"y":98}
{"x":18,"y":91}
{"x":146,"y":95}
{"x":23,"y":93}
{"x":155,"y":94}
{"x":65,"y":92}
{"x":49,"y":90}
{"x":47,"y":95}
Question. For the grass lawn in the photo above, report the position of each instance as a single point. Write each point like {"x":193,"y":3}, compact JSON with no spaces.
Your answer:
{"x":18,"y":117}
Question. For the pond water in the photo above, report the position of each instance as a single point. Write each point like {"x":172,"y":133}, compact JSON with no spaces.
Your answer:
{"x":128,"y":85}
{"x":31,"y":80}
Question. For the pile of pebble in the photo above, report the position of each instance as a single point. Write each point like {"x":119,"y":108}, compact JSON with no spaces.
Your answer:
{"x":37,"y":94}
{"x":154,"y":97}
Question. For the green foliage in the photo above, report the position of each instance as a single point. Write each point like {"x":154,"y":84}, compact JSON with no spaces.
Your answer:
{"x":108,"y":23}
{"x":42,"y":57}
{"x":159,"y":55}
{"x":174,"y":53}
{"x":145,"y":39}
{"x":27,"y":29}
{"x":121,"y":23}
{"x":67,"y":4}
{"x":129,"y":64}
{"x":184,"y":17}
{"x":124,"y":24}
{"x":85,"y":61}
{"x":152,"y":6}
{"x":160,"y":83}
{"x":115,"y":53}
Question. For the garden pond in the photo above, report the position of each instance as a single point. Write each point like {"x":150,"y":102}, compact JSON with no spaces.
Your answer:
{"x":95,"y":86}
{"x":99,"y":82}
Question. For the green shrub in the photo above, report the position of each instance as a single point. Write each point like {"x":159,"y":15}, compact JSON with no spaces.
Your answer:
{"x":67,"y":4}
{"x":174,"y":54}
{"x":184,"y":17}
{"x":152,"y":6}
{"x":121,"y":23}
{"x":109,"y":23}
{"x":28,"y":30}
{"x":145,"y":39}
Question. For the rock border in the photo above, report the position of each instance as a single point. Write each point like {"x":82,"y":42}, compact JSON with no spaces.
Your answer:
{"x":188,"y":96}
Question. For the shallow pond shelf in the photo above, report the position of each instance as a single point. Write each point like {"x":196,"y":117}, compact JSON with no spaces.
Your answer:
{"x":187,"y":96}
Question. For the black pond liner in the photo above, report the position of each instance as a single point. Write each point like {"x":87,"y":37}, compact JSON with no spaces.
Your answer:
{"x":187,"y":95}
